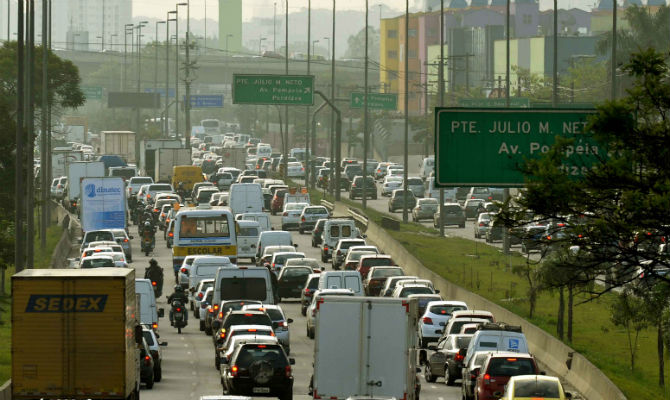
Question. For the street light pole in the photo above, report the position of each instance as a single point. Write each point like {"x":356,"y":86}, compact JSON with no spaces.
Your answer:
{"x":156,"y":60}
{"x":338,"y":138}
{"x":308,"y":153}
{"x":274,"y":29}
{"x":285,"y":150}
{"x":176,"y":81}
{"x":406,"y":158}
{"x":366,"y":138}
{"x":168,"y":39}
{"x":187,"y":78}
{"x":313,"y":43}
{"x":554,"y":94}
{"x":260,"y":42}
{"x":126,"y":28}
{"x":139,"y":71}
{"x":440,"y":88}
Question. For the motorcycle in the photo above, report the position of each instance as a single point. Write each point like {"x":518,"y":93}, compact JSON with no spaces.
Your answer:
{"x":158,"y":288}
{"x":178,"y":315}
{"x":147,"y":244}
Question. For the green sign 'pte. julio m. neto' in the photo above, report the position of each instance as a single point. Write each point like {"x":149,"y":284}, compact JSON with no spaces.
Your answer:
{"x":295,"y":90}
{"x":486,"y":147}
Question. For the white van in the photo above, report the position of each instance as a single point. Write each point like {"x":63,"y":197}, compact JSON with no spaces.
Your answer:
{"x":247,"y":238}
{"x":263,"y":150}
{"x":262,"y":218}
{"x":205,"y":267}
{"x":434,"y":192}
{"x":243,"y":283}
{"x":427,"y":166}
{"x":273,"y":238}
{"x":333,"y":231}
{"x":147,"y":303}
{"x":245,"y":197}
{"x":342,"y":280}
{"x":497,"y":337}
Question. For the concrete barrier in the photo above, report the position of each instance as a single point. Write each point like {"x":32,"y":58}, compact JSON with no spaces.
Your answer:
{"x":6,"y":390}
{"x":582,"y":374}
{"x":71,"y":230}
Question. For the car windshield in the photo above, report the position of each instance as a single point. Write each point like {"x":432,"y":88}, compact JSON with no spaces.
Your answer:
{"x":510,"y":366}
{"x":536,"y":388}
{"x":386,"y":272}
{"x":444,"y":309}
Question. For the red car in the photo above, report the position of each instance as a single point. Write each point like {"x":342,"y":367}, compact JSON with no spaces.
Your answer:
{"x":373,"y":260}
{"x":277,"y":204}
{"x":498,"y":368}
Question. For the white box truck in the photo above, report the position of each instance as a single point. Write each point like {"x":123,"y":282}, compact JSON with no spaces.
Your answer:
{"x":120,"y":143}
{"x":103,"y":203}
{"x":61,"y":157}
{"x":148,"y":149}
{"x":77,"y":171}
{"x":168,"y":158}
{"x":365,"y":346}
{"x":234,"y":158}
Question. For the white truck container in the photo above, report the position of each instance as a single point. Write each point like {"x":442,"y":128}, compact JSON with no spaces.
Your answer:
{"x":121,"y":143}
{"x":245,"y":198}
{"x":79,"y":170}
{"x":61,"y":157}
{"x":365,"y":346}
{"x":235,"y":158}
{"x":168,"y":158}
{"x":103,"y":203}
{"x":148,"y":149}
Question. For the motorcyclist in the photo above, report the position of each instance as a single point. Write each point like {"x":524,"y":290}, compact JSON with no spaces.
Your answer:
{"x":155,"y":274}
{"x":180,"y":295}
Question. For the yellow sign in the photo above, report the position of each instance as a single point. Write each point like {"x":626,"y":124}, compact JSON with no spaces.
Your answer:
{"x":204,"y":250}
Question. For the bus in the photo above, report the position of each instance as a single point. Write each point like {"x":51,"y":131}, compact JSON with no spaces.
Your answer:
{"x":204,"y":231}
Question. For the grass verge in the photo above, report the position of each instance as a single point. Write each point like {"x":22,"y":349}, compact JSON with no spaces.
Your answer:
{"x":42,"y":260}
{"x":485,"y":270}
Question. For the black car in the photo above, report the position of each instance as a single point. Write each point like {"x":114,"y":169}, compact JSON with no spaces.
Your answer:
{"x":356,"y":189}
{"x":154,"y":348}
{"x":146,"y":365}
{"x":447,"y":360}
{"x":317,"y":238}
{"x":311,"y":286}
{"x":238,"y":317}
{"x":258,"y":370}
{"x":291,"y":281}
{"x":397,"y":200}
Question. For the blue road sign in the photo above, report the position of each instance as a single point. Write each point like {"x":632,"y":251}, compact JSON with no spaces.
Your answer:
{"x":161,"y":91}
{"x":205,"y":100}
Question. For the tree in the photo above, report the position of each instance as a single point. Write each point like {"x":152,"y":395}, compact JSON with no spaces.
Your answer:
{"x":584,"y":81}
{"x":356,"y":45}
{"x":629,"y":311}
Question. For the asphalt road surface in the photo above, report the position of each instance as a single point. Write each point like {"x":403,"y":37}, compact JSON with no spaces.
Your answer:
{"x":188,"y":359}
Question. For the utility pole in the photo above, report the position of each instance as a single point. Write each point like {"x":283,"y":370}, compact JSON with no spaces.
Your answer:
{"x":308,"y":151}
{"x":102,"y":43}
{"x":47,"y":166}
{"x":366,"y":138}
{"x":285,"y":150}
{"x":156,"y":62}
{"x":19,"y":244}
{"x":187,"y":78}
{"x":615,"y":5}
{"x":30,"y":180}
{"x":406,"y":153}
{"x":506,"y":242}
{"x":336,"y":145}
{"x":43,"y":149}
{"x":139,"y":73}
{"x":168,"y":39}
{"x":440,"y":87}
{"x":176,"y":80}
{"x":554,"y":92}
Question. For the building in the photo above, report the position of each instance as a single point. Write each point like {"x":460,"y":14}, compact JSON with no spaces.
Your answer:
{"x":92,"y":25}
{"x":230,"y":25}
{"x":571,"y":22}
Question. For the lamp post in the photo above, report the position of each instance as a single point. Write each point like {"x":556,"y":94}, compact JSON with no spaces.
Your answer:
{"x":156,"y":61}
{"x":366,"y":139}
{"x":285,"y":150}
{"x":260,"y":42}
{"x":168,"y":39}
{"x":313,"y":43}
{"x":274,"y":29}
{"x":139,"y":27}
{"x":405,"y":159}
{"x":440,"y":87}
{"x":176,"y":82}
{"x":308,"y":151}
{"x":338,"y":137}
{"x":187,"y":78}
{"x":127,"y":29}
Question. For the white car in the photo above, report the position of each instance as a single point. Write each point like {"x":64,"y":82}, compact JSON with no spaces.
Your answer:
{"x":311,"y":310}
{"x":482,"y":225}
{"x":98,"y":261}
{"x":119,"y":259}
{"x":184,"y":270}
{"x":291,"y":215}
{"x":390,"y":184}
{"x":436,"y":317}
{"x":280,"y":258}
{"x":295,"y":169}
{"x":279,"y":323}
{"x":199,"y":295}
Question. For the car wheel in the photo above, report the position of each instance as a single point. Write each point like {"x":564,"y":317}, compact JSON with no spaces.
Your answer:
{"x":287,"y":395}
{"x":217,"y":361}
{"x":301,"y":231}
{"x":303,"y":311}
{"x":462,"y":225}
{"x":202,"y":325}
{"x":428,"y":374}
{"x":158,"y":374}
{"x":448,"y":378}
{"x":150,"y":382}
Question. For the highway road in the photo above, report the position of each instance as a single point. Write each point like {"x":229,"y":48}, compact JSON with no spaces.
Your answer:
{"x":188,"y":359}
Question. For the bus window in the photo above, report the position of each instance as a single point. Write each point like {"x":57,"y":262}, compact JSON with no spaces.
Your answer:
{"x":204,"y":226}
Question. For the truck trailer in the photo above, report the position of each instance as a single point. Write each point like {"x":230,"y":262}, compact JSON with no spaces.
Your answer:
{"x":166,"y":160}
{"x":121,"y":143}
{"x":75,"y":334}
{"x":103,"y":203}
{"x":148,"y":150}
{"x":77,"y":171}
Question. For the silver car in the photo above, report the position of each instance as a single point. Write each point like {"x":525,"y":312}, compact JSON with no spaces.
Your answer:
{"x":279,"y":323}
{"x":425,"y":209}
{"x":390,"y":184}
{"x":310,"y":215}
{"x":123,"y":239}
{"x":415,"y":185}
{"x":482,"y":224}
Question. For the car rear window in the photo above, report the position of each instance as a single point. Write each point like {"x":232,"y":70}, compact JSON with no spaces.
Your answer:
{"x":275,"y":314}
{"x":98,"y":263}
{"x":141,"y":181}
{"x":416,"y":181}
{"x":445,"y":309}
{"x":313,"y":283}
{"x":416,"y":290}
{"x":297,"y":272}
{"x":159,"y":187}
{"x":452,"y":209}
{"x":510,"y":366}
{"x":243,"y":288}
{"x":98,"y":236}
{"x":316,"y":210}
{"x":248,"y":231}
{"x":377,"y":262}
{"x":207,"y":269}
{"x":349,"y":243}
{"x":386,"y":272}
{"x":281,"y":259}
{"x":252,"y":353}
{"x":536,"y":388}
{"x":248,"y":319}
{"x":148,"y":337}
{"x":463,"y":341}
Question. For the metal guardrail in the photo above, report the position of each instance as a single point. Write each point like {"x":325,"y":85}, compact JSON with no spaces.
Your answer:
{"x":358,"y":217}
{"x":330,"y":206}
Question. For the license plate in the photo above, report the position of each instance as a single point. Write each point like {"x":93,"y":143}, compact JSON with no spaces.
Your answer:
{"x":261,"y":390}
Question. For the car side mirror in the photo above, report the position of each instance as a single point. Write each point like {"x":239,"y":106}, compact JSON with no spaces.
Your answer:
{"x":138,"y":335}
{"x":437,"y":291}
{"x":289,"y":321}
{"x":295,"y":245}
{"x":432,"y":347}
{"x":568,"y":395}
{"x":163,"y":344}
{"x":131,"y":237}
{"x":291,"y":361}
{"x":498,"y":394}
{"x":161,"y":312}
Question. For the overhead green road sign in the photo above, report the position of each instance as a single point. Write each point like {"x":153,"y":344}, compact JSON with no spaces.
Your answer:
{"x":376,"y":101}
{"x":486,"y":147}
{"x":92,"y":92}
{"x":520,"y":102}
{"x":294,"y":90}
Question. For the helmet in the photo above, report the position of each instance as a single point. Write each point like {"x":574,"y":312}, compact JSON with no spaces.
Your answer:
{"x":153,"y":262}
{"x":178,"y":288}
{"x":147,"y":223}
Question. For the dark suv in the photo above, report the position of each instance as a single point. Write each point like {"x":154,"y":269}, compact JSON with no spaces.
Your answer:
{"x":496,"y":371}
{"x":356,"y":189}
{"x":240,"y":318}
{"x":258,"y":370}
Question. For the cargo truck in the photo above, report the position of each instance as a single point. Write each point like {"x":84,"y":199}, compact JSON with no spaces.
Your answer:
{"x":77,"y":171}
{"x":148,"y":148}
{"x":121,"y":143}
{"x":234,"y":158}
{"x":365,"y":346}
{"x":61,"y":157}
{"x":103,"y":203}
{"x":75,"y":334}
{"x":166,"y":159}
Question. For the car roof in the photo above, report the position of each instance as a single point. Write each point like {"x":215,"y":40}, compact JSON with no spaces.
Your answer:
{"x":535,"y":378}
{"x":243,"y":327}
{"x":468,"y":313}
{"x":446,"y":303}
{"x":345,"y":292}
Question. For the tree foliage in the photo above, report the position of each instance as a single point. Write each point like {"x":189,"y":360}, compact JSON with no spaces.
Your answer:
{"x":356,"y":45}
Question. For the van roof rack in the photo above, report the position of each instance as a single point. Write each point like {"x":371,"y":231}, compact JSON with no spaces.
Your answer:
{"x":499,"y":326}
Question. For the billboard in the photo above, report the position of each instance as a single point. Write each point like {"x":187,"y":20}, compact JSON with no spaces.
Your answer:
{"x":103,"y":203}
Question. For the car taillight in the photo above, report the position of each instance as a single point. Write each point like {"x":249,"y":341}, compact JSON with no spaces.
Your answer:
{"x":274,"y":265}
{"x":325,"y":247}
{"x":287,"y":370}
{"x":148,"y":196}
{"x":183,"y":270}
{"x":125,"y":240}
{"x":220,"y":316}
{"x":427,"y":320}
{"x":178,"y":309}
{"x":154,"y":325}
{"x":308,"y":291}
{"x":170,"y":234}
{"x":153,"y":283}
{"x":162,"y":215}
{"x":487,"y":379}
{"x":200,"y":296}
{"x":459,"y":357}
{"x":302,"y":219}
{"x":147,"y":360}
{"x":223,"y":334}
{"x":234,"y":370}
